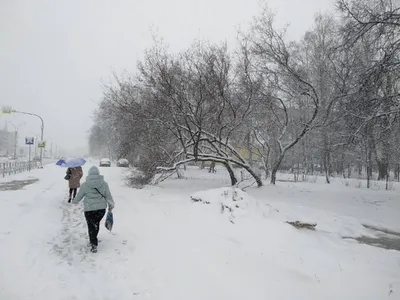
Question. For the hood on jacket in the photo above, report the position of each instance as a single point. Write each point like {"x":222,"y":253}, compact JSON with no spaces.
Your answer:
{"x":94,"y":179}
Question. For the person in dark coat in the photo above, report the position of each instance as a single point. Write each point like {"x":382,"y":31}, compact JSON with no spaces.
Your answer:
{"x":74,"y":181}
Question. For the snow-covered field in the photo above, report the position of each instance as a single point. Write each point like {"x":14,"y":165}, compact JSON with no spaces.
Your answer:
{"x":165,"y":246}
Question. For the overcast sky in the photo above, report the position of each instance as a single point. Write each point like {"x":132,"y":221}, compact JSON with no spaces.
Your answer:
{"x":55,"y":53}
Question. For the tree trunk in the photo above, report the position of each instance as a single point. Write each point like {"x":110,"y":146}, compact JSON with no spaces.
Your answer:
{"x":255,"y":176}
{"x":178,"y":172}
{"x":273,"y":175}
{"x":326,"y":158}
{"x":368,"y":177}
{"x":248,"y":142}
{"x":182,"y":158}
{"x":266,"y":163}
{"x":387,"y":181}
{"x":349,"y":170}
{"x":382,"y":169}
{"x":342,"y":168}
{"x":327,"y":178}
{"x":231,"y":173}
{"x":326,"y":172}
{"x":370,"y":148}
{"x":326,"y":168}
{"x":276,"y":167}
{"x":266,"y":172}
{"x":384,"y":142}
{"x":369,"y":169}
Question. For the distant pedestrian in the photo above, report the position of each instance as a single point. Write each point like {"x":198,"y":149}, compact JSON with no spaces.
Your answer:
{"x":212,"y":167}
{"x":74,"y":182}
{"x":96,"y":197}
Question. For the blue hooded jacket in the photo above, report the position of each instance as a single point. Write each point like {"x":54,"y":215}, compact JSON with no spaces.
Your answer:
{"x":94,"y":199}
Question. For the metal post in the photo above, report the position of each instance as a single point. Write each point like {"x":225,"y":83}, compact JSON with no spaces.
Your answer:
{"x":15,"y":144}
{"x":41,"y":148}
{"x":29,"y":161}
{"x":35,"y":154}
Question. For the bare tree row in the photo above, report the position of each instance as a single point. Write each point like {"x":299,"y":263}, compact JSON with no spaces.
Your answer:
{"x":328,"y":102}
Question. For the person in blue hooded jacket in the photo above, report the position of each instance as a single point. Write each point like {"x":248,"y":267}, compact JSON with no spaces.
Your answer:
{"x":96,"y":196}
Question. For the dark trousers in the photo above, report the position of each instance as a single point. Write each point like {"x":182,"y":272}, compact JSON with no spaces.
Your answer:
{"x":93,"y":219}
{"x":72,"y":191}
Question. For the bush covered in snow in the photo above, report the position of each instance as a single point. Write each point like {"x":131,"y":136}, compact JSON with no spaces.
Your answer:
{"x":232,"y":201}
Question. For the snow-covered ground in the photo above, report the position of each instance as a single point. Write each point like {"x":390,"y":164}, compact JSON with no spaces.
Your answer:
{"x":165,"y":246}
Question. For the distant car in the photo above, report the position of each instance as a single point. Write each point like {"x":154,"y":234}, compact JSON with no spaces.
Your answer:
{"x":105,"y":162}
{"x":36,"y":158}
{"x":123,"y":163}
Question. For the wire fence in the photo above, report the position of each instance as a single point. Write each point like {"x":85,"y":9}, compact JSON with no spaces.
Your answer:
{"x":10,"y":168}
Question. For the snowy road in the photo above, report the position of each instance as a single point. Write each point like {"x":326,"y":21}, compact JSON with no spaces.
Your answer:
{"x":164,"y":247}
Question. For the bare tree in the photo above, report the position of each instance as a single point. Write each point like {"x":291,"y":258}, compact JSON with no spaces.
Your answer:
{"x":196,"y":95}
{"x":370,"y":32}
{"x":291,"y":99}
{"x":256,"y":106}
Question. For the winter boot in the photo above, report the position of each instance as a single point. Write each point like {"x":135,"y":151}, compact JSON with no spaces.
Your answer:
{"x":93,"y":249}
{"x":89,"y":244}
{"x":69,"y":200}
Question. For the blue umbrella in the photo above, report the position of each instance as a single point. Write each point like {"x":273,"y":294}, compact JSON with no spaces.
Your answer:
{"x":71,"y":162}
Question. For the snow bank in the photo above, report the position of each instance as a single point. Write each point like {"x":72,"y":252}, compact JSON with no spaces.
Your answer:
{"x":316,"y":264}
{"x":238,"y":205}
{"x":166,"y":247}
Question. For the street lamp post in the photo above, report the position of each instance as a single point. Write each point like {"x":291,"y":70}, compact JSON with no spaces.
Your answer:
{"x":9,"y":110}
{"x":41,"y":132}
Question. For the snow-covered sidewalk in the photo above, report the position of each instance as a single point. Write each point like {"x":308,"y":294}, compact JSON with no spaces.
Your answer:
{"x":164,"y":246}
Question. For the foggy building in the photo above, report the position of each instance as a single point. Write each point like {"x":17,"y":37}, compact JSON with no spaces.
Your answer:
{"x":6,"y":141}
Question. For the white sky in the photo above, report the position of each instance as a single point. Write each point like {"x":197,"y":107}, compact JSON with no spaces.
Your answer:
{"x":54,"y":53}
